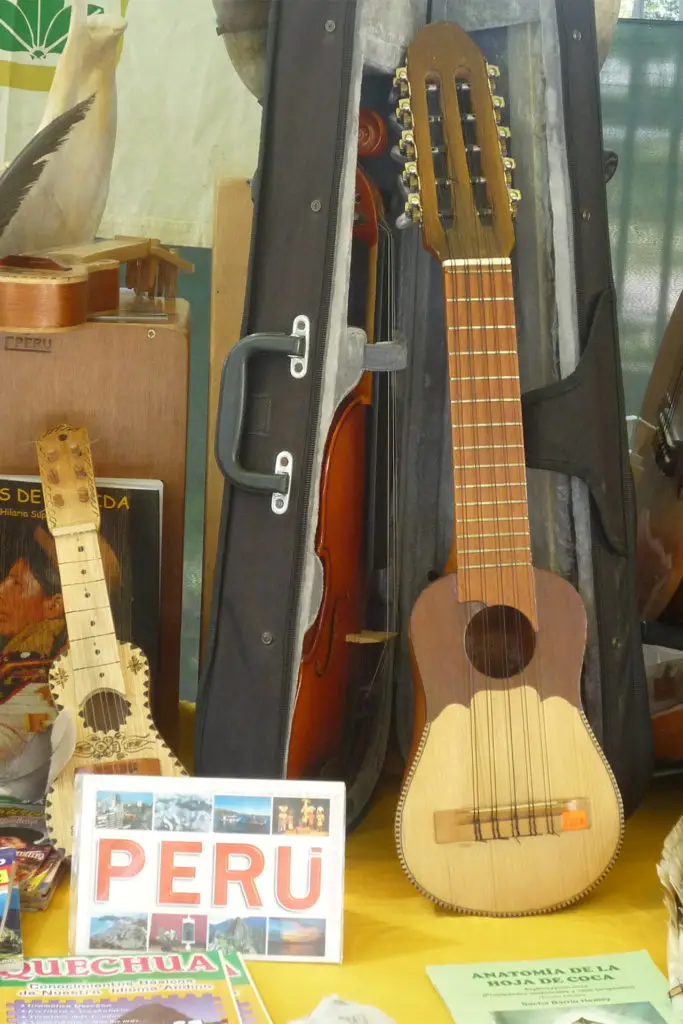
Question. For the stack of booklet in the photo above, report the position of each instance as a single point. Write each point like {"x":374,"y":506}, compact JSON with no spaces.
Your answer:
{"x":11,"y":947}
{"x":39,"y":866}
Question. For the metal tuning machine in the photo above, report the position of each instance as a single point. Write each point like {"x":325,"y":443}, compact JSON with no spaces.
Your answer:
{"x":504,"y":135}
{"x":405,"y":152}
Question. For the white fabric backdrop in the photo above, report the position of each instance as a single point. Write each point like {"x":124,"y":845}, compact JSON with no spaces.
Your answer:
{"x":185,"y":119}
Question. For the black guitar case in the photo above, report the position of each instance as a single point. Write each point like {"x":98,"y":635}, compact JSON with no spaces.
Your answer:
{"x":282,"y":381}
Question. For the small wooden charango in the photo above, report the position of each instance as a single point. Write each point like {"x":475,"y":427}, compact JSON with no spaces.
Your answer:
{"x":104,"y":684}
{"x":508,"y":806}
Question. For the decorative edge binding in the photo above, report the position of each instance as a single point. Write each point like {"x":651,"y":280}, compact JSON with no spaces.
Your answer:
{"x":486,"y":913}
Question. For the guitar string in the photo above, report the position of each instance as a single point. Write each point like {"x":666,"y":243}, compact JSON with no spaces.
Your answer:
{"x":455,"y":372}
{"x":392,"y":468}
{"x":465,"y":570}
{"x":456,"y":415}
{"x":672,"y":400}
{"x":393,"y":479}
{"x":455,"y":418}
{"x":505,"y":274}
{"x":496,"y":383}
{"x":495,"y":380}
{"x":477,"y":522}
{"x":537,"y":681}
{"x":504,"y":487}
{"x":468,"y":274}
{"x":474,"y":275}
{"x":95,"y":612}
{"x":391,"y":583}
{"x":78,"y":541}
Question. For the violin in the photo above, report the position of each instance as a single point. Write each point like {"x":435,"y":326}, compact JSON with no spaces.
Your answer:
{"x":333,"y":658}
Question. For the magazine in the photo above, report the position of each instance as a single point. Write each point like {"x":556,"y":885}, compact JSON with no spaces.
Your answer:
{"x":182,"y":988}
{"x":248,"y":1002}
{"x":11,"y":946}
{"x":577,"y":990}
{"x":237,"y":866}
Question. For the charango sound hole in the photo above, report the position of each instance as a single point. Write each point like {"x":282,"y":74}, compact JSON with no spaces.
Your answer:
{"x":105,"y":711}
{"x":500,"y":642}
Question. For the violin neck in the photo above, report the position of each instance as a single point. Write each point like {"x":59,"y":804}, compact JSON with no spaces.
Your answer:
{"x":491,"y":546}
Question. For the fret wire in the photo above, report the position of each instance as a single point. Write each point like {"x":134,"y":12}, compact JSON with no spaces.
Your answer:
{"x":495,"y":376}
{"x":503,"y":532}
{"x":503,"y":501}
{"x":498,"y":483}
{"x":496,"y":519}
{"x":485,"y":298}
{"x":484,"y":327}
{"x":497,"y":565}
{"x":507,"y":520}
{"x":493,"y":550}
{"x":477,"y":261}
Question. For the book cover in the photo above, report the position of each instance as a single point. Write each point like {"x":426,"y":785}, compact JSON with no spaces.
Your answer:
{"x":187,"y":988}
{"x":248,"y":1003}
{"x":32,"y":625}
{"x":11,"y":946}
{"x":232,"y":865}
{"x":577,"y":990}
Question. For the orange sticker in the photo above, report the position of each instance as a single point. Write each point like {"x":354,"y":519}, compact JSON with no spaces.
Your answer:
{"x":574,"y":821}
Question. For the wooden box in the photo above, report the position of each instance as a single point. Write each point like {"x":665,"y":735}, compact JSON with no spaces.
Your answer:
{"x":127,"y":383}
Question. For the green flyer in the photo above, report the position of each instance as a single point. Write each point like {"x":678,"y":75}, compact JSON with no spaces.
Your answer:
{"x":613,"y":989}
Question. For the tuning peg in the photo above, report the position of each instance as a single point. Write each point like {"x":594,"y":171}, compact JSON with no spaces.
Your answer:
{"x":410,"y":177}
{"x":406,"y":146}
{"x":412,"y":213}
{"x":503,"y":132}
{"x":515,"y":198}
{"x":498,"y":102}
{"x":404,"y":221}
{"x":401,"y":83}
{"x":404,"y":114}
{"x":492,"y":71}
{"x":509,"y":164}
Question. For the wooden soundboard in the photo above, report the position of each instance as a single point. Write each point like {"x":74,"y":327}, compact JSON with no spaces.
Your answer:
{"x":128,"y":383}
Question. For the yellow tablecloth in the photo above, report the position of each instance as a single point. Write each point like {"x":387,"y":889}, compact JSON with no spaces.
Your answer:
{"x":391,"y":933}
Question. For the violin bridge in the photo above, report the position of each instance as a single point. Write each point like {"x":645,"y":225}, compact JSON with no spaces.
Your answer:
{"x":527,"y":820}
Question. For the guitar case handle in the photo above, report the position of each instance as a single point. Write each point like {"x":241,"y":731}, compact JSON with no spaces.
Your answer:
{"x":231,"y":409}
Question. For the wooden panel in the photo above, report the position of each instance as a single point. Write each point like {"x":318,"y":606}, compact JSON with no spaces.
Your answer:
{"x":232,"y":237}
{"x":128,"y":385}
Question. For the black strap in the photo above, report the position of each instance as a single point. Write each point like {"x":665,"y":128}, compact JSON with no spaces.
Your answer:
{"x":564,"y":425}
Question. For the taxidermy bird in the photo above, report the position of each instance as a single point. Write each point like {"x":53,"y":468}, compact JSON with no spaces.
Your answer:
{"x":20,"y":177}
{"x":66,"y":205}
